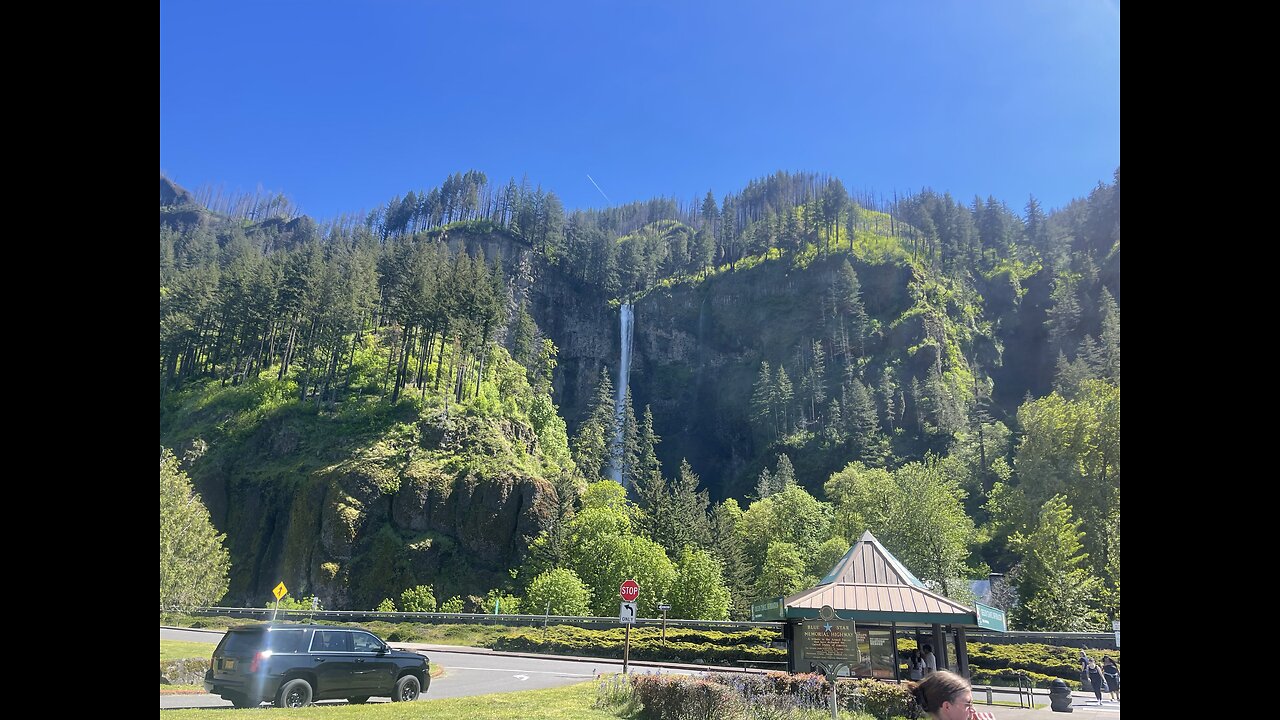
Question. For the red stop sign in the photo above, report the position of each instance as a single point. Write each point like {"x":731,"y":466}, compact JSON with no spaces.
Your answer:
{"x":629,"y":591}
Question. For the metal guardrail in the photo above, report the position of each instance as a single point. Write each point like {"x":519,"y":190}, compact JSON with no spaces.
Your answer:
{"x":1100,"y":636}
{"x":1023,"y":685}
{"x":482,"y":618}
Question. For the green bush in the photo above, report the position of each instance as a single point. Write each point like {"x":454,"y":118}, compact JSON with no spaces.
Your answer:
{"x":418,"y":599}
{"x":885,"y":700}
{"x":289,"y":603}
{"x":646,"y":644}
{"x":505,"y":603}
{"x":452,"y":605}
{"x":675,"y":697}
{"x":387,"y":605}
{"x":996,"y":664}
{"x":558,"y":592}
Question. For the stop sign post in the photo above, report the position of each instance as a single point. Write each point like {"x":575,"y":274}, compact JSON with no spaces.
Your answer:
{"x":629,"y":591}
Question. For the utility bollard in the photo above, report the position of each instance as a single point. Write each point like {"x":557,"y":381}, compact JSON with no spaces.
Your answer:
{"x":1060,"y":696}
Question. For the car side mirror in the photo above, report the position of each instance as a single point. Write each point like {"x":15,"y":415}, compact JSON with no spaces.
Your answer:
{"x":383,"y":650}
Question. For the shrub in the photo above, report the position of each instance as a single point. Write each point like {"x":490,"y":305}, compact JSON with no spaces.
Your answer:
{"x":418,"y":599}
{"x":675,"y":697}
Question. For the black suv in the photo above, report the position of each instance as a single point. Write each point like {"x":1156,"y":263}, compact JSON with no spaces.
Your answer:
{"x":292,"y":665}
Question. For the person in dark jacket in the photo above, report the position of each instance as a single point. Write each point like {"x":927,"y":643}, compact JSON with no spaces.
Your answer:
{"x":1111,"y":673}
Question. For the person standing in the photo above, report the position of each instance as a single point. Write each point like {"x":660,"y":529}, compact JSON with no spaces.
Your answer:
{"x":1095,"y":679}
{"x":930,"y":662}
{"x":915,"y":665}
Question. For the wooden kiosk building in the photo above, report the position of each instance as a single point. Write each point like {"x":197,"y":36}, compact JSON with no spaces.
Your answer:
{"x":876,"y":600}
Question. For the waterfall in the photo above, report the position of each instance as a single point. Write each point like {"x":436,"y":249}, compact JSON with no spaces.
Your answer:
{"x":626,"y":323}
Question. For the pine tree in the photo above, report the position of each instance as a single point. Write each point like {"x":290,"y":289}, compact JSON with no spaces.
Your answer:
{"x":864,"y":426}
{"x":1058,"y":590}
{"x":591,"y":444}
{"x":888,"y":395}
{"x":817,"y":380}
{"x":764,"y":484}
{"x":1110,"y":368}
{"x":688,"y":512}
{"x":651,"y":487}
{"x":785,"y":476}
{"x":629,"y":451}
{"x":1064,"y":315}
{"x":782,"y":401}
{"x":763,"y":402}
{"x":193,"y":560}
{"x":728,"y":547}
{"x":1092,"y":357}
{"x":1037,"y":232}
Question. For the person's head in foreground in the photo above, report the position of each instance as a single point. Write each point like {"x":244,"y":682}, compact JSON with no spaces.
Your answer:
{"x":944,"y":696}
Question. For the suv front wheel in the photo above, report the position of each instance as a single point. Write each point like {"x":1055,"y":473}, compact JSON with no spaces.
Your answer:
{"x":407,"y":689}
{"x":294,"y":694}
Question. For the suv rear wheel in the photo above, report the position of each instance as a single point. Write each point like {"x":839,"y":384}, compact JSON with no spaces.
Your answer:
{"x":294,"y":694}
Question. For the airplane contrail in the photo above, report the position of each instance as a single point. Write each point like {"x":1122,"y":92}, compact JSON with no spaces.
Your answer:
{"x":593,"y":182}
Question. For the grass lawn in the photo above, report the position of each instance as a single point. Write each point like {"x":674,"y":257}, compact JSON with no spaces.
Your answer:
{"x":178,"y":650}
{"x":567,"y":703}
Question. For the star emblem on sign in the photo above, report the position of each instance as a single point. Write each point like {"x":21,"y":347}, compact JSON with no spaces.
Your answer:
{"x":827,"y":628}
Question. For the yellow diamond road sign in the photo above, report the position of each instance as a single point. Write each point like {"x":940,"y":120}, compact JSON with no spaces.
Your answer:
{"x":280,"y":591}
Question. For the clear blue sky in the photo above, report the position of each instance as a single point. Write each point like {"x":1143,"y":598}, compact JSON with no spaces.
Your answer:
{"x":344,"y":105}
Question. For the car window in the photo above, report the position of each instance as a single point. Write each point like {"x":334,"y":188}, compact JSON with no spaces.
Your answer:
{"x":287,"y":641}
{"x":331,"y":641}
{"x":243,"y":643}
{"x":364,"y":642}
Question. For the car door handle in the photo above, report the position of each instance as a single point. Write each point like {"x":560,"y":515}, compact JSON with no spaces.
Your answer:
{"x":359,"y":660}
{"x":318,"y":659}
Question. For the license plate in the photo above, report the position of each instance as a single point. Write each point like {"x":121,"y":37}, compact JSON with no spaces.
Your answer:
{"x":226,"y":664}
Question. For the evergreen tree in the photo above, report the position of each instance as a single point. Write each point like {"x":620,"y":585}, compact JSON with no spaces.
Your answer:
{"x":591,"y":444}
{"x":785,"y":476}
{"x":651,"y":487}
{"x":1037,"y":232}
{"x":683,"y":519}
{"x":783,"y":396}
{"x":888,"y":395}
{"x":1064,"y":315}
{"x":765,"y":485}
{"x":727,"y":541}
{"x":864,"y":426}
{"x":193,"y":561}
{"x":1058,"y":590}
{"x":629,"y":451}
{"x":1110,"y":367}
{"x":764,"y":402}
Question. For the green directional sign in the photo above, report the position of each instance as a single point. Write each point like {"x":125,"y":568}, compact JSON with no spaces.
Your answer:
{"x":770,"y":610}
{"x":991,"y":618}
